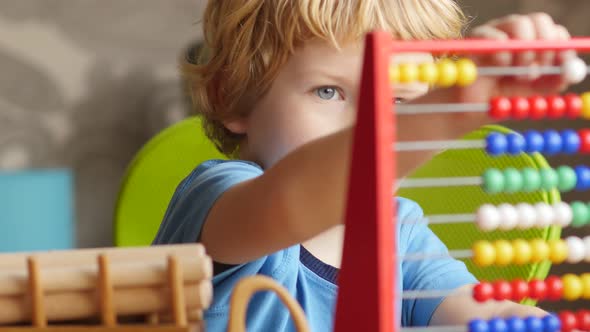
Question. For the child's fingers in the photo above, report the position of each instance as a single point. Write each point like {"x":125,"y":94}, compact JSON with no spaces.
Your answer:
{"x":563,"y":34}
{"x":545,"y":29}
{"x":522,"y":28}
{"x":489,"y":32}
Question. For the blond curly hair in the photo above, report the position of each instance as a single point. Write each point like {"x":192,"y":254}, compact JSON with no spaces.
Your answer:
{"x":248,"y":41}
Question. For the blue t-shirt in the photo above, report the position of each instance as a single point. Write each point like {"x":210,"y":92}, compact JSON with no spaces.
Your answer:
{"x":309,"y":280}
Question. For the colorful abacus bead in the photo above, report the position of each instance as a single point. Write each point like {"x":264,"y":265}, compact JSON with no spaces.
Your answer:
{"x":537,"y":289}
{"x":557,"y":107}
{"x":568,"y":321}
{"x":555,"y":288}
{"x":553,"y":142}
{"x":496,"y":144}
{"x":500,"y":108}
{"x":516,"y":144}
{"x":551,"y":323}
{"x":574,"y":70}
{"x":497,"y":324}
{"x":447,"y":73}
{"x":572,"y":287}
{"x":520,"y":289}
{"x":581,"y":214}
{"x":428,"y":73}
{"x":583,"y":320}
{"x":502,"y":290}
{"x":477,"y":325}
{"x":534,"y":141}
{"x":576,"y":251}
{"x":585,"y":105}
{"x":466,"y":72}
{"x":570,"y":141}
{"x":483,"y":291}
{"x":538,"y":107}
{"x":408,"y":73}
{"x":583,"y":178}
{"x":520,"y":108}
{"x":574,"y":105}
{"x":533,"y":324}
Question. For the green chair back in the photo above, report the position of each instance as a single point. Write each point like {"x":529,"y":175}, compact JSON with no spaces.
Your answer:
{"x":152,"y":178}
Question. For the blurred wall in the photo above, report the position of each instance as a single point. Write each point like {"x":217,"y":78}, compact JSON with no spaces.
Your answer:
{"x":84,"y":84}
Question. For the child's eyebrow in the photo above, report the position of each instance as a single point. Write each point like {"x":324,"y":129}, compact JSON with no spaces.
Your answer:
{"x":341,"y":79}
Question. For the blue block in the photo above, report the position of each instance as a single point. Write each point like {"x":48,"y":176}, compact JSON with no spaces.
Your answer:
{"x":36,"y":210}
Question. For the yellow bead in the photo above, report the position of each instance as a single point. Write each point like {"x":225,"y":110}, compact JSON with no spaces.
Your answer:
{"x":557,"y":250}
{"x":447,"y":73}
{"x":484,"y":253}
{"x":522,"y":251}
{"x":466,"y":72}
{"x":585,"y":278}
{"x":504,"y":252}
{"x":393,"y":73}
{"x":585,"y":105}
{"x":539,"y":249}
{"x":572,"y":287}
{"x":408,"y":73}
{"x":428,"y":72}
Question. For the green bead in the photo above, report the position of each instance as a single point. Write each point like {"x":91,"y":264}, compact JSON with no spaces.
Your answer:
{"x":581,"y":214}
{"x":567,"y":178}
{"x":513,"y":180}
{"x":493,"y":181}
{"x":531,"y":179}
{"x":549,"y":179}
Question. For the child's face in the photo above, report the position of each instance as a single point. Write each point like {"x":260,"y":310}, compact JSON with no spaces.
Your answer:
{"x":314,"y":95}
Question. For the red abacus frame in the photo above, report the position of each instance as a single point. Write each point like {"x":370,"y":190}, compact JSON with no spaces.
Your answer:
{"x":366,"y":299}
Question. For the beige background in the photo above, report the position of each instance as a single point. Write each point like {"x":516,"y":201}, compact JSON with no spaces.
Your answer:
{"x":84,"y":83}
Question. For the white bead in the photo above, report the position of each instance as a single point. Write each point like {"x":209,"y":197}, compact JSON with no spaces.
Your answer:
{"x":587,"y":247}
{"x":563,"y":214}
{"x":576,"y":250}
{"x":508,"y":216}
{"x":545,"y":215}
{"x":527,"y":216}
{"x":574,"y":70}
{"x":488,"y":217}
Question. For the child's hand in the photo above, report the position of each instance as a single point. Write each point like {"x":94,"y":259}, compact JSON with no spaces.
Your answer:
{"x":538,"y":26}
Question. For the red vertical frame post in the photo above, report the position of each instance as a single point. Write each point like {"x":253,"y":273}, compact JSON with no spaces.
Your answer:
{"x":366,"y":300}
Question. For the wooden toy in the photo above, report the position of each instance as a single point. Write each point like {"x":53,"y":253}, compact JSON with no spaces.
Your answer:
{"x":164,"y":288}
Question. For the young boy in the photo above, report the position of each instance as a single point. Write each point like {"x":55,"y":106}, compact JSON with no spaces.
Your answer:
{"x":279,"y":92}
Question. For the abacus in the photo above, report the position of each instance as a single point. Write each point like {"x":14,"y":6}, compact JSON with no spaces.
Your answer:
{"x":369,"y":237}
{"x":160,"y":288}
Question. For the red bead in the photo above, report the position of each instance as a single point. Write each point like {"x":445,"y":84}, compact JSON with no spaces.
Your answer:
{"x":500,"y":108}
{"x":537,"y":289}
{"x":538,"y":107}
{"x":583,"y":320}
{"x":569,"y":321}
{"x":502,"y":290}
{"x":584,"y":140}
{"x":520,"y":108}
{"x":573,"y":104}
{"x":520,"y":289}
{"x":556,"y":107}
{"x":483,"y":291}
{"x":554,"y":288}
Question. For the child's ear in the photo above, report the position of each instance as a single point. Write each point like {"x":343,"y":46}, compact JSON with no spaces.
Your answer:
{"x":237,"y":126}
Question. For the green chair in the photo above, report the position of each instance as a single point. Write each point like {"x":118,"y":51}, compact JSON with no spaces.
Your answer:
{"x":152,"y":178}
{"x":172,"y":155}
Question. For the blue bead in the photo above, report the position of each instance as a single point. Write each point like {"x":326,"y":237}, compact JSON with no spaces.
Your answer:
{"x":516,"y":143}
{"x":583,"y":176}
{"x":516,"y":324}
{"x":478,"y":325}
{"x":553,"y":142}
{"x":497,"y":325}
{"x":571,"y":141}
{"x":551,"y":324}
{"x":534,"y":141}
{"x":533,"y":324}
{"x":496,"y":144}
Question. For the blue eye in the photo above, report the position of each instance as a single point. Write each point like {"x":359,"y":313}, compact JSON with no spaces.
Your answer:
{"x":327,"y":93}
